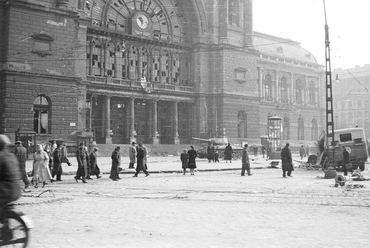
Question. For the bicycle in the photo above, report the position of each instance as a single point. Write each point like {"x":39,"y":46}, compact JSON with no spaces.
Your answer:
{"x":14,"y":227}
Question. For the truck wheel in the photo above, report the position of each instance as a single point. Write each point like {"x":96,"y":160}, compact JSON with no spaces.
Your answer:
{"x":362,"y":166}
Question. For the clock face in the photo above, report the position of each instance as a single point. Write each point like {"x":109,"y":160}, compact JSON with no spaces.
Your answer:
{"x":142,"y":21}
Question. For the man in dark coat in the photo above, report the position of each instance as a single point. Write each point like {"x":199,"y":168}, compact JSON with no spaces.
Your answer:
{"x":286,"y":160}
{"x":21,"y":153}
{"x":228,"y":152}
{"x":141,"y":160}
{"x":82,"y":163}
{"x":57,"y":162}
{"x":346,"y":160}
{"x":192,"y":164}
{"x":210,"y":153}
{"x":245,"y":161}
{"x":132,"y":155}
{"x":116,"y":161}
{"x":94,"y":169}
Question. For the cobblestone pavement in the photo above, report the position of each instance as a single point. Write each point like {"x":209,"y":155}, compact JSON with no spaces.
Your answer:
{"x":210,"y":209}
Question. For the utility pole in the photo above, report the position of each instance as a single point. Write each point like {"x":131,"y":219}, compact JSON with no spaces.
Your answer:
{"x":328,"y":88}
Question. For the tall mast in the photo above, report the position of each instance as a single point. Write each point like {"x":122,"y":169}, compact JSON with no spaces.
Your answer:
{"x":328,"y":88}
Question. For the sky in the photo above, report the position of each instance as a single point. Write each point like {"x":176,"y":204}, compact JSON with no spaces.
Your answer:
{"x":304,"y":21}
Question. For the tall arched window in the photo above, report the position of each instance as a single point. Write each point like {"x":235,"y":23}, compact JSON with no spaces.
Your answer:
{"x":175,"y":69}
{"x":283,"y":90}
{"x":144,"y":63}
{"x":134,"y":62}
{"x":300,"y":129}
{"x":234,"y":13}
{"x":156,"y":67}
{"x":268,"y":88}
{"x":312,"y":93}
{"x":165,"y":67}
{"x":314,"y":130}
{"x":299,"y":91}
{"x":95,"y":58}
{"x":42,"y":115}
{"x":242,"y":125}
{"x":122,"y":61}
{"x":185,"y":71}
{"x":110,"y":60}
{"x":286,"y":128}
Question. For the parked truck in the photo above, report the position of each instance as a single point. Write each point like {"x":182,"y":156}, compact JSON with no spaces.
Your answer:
{"x":219,"y":144}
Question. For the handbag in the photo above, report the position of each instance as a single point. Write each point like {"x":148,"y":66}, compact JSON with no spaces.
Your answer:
{"x":349,"y":166}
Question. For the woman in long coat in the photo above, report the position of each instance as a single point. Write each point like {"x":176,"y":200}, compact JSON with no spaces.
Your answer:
{"x":228,"y":152}
{"x":41,"y":170}
{"x":192,"y":164}
{"x":184,"y":160}
{"x":286,"y":160}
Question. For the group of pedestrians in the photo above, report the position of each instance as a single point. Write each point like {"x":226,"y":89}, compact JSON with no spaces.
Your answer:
{"x":188,"y":160}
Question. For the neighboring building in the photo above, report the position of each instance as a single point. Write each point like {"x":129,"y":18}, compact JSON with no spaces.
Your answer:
{"x":158,"y":71}
{"x":351,"y":94}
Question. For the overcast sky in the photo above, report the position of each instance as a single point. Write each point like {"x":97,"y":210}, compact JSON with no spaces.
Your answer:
{"x":303,"y":21}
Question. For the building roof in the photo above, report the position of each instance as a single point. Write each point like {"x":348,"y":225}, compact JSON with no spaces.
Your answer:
{"x":280,"y":47}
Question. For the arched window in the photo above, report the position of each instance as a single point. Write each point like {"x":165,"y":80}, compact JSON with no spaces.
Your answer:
{"x":185,"y":70}
{"x":314,"y":130}
{"x":110,"y":60}
{"x":122,"y":62}
{"x":234,"y":13}
{"x":300,"y":129}
{"x":312,"y":93}
{"x":134,"y":62}
{"x":95,"y":57}
{"x":299,"y":91}
{"x":176,"y":70}
{"x":286,"y":128}
{"x":268,"y":88}
{"x":42,"y":115}
{"x":242,"y":125}
{"x":156,"y":67}
{"x":165,"y":67}
{"x":283,"y":90}
{"x":144,"y":63}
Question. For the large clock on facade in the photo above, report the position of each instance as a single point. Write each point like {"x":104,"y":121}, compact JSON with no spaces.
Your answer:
{"x":159,"y":18}
{"x":140,"y":24}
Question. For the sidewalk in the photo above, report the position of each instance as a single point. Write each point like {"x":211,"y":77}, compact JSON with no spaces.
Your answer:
{"x":169,"y":164}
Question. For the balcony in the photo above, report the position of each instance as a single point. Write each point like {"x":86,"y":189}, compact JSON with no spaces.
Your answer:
{"x":133,"y":84}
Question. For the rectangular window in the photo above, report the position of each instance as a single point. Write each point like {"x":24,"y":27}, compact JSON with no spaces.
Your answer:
{"x":345,"y":137}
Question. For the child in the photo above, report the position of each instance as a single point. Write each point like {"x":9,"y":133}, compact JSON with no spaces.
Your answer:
{"x":215,"y":156}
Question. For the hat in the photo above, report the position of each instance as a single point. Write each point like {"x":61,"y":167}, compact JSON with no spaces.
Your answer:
{"x":18,"y":142}
{"x":96,"y":149}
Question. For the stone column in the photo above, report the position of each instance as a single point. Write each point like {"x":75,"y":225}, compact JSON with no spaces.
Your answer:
{"x":155,"y":134}
{"x":292,"y":87}
{"x":107,"y":130}
{"x":260,"y":74}
{"x":176,"y":140}
{"x":62,"y":3}
{"x":132,"y":133}
{"x":277,"y":86}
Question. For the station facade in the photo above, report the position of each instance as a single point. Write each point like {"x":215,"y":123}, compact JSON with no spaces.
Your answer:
{"x":156,"y":71}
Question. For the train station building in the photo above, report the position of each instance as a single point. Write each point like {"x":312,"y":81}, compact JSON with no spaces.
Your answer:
{"x":156,"y":71}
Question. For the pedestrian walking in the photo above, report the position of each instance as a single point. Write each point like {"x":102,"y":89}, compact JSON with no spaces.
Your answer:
{"x":141,"y":160}
{"x":255,"y":150}
{"x":346,"y":163}
{"x":245,"y":161}
{"x":286,"y":161}
{"x":82,"y":163}
{"x":132,"y":155}
{"x":210,"y":152}
{"x":307,"y":150}
{"x":302,"y":152}
{"x":41,"y":172}
{"x":116,"y":160}
{"x":228,"y":153}
{"x":21,"y":154}
{"x":57,"y":162}
{"x":216,"y":156}
{"x":47,"y":149}
{"x":191,"y":163}
{"x":64,"y":153}
{"x":93,"y":160}
{"x":184,"y":157}
{"x":263,"y":150}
